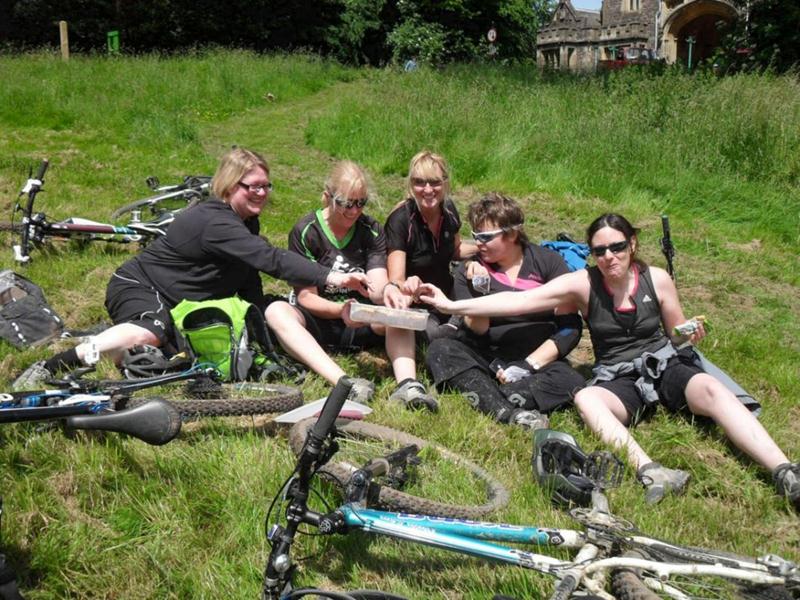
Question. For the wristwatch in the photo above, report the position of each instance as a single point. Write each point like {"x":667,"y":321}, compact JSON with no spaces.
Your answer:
{"x":534,"y":365}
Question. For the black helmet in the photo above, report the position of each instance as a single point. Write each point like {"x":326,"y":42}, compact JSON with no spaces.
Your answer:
{"x":147,"y":361}
{"x":558,"y":465}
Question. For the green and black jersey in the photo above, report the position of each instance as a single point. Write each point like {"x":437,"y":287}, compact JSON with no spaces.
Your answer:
{"x":362,"y":249}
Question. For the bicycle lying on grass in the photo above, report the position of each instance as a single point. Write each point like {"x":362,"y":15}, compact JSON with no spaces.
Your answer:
{"x":606,"y":548}
{"x":35,"y":229}
{"x":75,"y":394}
{"x":154,"y":421}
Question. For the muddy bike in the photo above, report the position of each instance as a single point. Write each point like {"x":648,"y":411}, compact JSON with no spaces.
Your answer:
{"x":611,"y":558}
{"x":202,"y":396}
{"x":35,"y":229}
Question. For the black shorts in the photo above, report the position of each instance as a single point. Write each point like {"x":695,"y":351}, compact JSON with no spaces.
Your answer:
{"x":128,"y":301}
{"x":671,"y":386}
{"x":334,"y":335}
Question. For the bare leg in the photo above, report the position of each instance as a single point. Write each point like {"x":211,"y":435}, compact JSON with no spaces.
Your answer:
{"x":114,"y":340}
{"x":604,"y":413}
{"x":400,"y":348}
{"x":290,"y":328}
{"x":708,"y":397}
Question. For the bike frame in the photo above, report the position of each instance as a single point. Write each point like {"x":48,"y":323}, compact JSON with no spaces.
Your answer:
{"x":36,"y":227}
{"x":597,"y":546}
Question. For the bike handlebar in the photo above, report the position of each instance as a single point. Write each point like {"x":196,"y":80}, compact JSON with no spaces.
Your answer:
{"x":42,"y":169}
{"x":331,"y":409}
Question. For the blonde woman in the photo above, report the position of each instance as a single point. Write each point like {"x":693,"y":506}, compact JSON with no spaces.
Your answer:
{"x":211,"y":251}
{"x":340,"y":236}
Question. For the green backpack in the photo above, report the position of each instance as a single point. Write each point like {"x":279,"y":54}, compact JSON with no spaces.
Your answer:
{"x":231,"y":335}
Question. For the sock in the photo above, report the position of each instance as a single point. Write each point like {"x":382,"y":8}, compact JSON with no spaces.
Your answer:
{"x":63,"y":361}
{"x":483,"y":393}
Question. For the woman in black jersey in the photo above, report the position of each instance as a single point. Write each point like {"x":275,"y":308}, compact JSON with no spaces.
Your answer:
{"x":628,"y":307}
{"x":212,"y":250}
{"x":509,"y":368}
{"x":340,"y":236}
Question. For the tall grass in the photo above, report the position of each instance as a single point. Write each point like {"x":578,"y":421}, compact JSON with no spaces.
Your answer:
{"x":725,"y":150}
{"x":105,"y":517}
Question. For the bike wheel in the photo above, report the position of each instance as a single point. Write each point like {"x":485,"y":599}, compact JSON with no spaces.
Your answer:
{"x":643,"y":584}
{"x":233,"y":399}
{"x":462,"y":488}
{"x":156,"y":206}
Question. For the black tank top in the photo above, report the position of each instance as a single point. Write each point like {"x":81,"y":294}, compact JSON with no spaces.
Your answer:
{"x":621,"y":336}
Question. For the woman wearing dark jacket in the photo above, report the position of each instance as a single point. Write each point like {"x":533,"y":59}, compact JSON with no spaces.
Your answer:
{"x":212,"y":250}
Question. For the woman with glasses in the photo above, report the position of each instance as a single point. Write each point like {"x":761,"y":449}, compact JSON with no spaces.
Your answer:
{"x":510,"y":368}
{"x":212,"y":250}
{"x":632,"y":311}
{"x":340,"y":236}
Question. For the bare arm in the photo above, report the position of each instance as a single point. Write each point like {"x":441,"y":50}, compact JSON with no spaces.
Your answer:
{"x":318,"y":306}
{"x":396,"y":296}
{"x":671,"y":310}
{"x":464,"y":249}
{"x":572,"y":288}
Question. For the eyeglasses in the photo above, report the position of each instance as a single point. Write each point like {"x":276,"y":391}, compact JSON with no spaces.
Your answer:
{"x":257,"y":189}
{"x":484,"y":237}
{"x":418,"y":182}
{"x":347,"y":204}
{"x":615,"y":248}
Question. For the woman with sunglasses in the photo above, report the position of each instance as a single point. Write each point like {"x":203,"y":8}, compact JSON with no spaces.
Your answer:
{"x":509,"y":368}
{"x":340,"y":236}
{"x":211,"y":251}
{"x":629,"y":307}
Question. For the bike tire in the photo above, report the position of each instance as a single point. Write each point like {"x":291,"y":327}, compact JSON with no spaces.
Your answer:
{"x":630,"y":584}
{"x":189,"y":198}
{"x":234,"y":399}
{"x":353,"y":440}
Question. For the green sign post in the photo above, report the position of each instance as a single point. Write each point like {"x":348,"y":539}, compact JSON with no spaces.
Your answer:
{"x":112,"y":40}
{"x":691,"y":41}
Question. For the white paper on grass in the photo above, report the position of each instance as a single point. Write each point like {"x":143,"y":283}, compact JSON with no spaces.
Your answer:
{"x":313,"y":408}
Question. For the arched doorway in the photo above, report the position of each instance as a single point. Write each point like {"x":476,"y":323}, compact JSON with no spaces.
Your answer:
{"x":699,"y":20}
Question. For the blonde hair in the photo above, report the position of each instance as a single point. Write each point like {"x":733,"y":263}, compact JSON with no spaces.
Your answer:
{"x":427,"y":165}
{"x":345,"y":177}
{"x":234,"y":165}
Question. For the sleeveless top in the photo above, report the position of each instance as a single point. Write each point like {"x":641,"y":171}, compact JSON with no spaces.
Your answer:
{"x":623,"y":335}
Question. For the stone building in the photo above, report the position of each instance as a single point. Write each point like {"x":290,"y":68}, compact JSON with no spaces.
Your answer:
{"x":576,"y":40}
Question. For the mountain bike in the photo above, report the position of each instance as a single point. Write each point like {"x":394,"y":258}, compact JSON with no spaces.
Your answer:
{"x":35,"y":228}
{"x":609,"y":552}
{"x":203,"y":396}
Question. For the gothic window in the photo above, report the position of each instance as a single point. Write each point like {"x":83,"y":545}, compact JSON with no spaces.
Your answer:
{"x":631,"y":5}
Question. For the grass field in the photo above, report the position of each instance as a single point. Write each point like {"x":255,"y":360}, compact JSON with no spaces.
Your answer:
{"x":106,"y":517}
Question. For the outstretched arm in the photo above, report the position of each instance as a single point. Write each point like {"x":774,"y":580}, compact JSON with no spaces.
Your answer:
{"x":572,"y":288}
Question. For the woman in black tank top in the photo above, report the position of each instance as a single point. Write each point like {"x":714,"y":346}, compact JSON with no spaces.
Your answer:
{"x":628,"y":306}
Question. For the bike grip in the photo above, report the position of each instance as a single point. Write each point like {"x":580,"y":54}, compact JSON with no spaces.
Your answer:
{"x":665,"y":225}
{"x":565,"y":588}
{"x":333,"y":405}
{"x":42,"y":169}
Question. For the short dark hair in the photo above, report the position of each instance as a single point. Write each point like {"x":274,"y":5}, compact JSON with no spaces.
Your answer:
{"x":501,"y":210}
{"x":618,"y":222}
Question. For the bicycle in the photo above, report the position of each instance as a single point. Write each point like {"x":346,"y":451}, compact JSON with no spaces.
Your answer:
{"x":206,"y":396}
{"x":640,"y":567}
{"x":35,"y":228}
{"x":154,"y":421}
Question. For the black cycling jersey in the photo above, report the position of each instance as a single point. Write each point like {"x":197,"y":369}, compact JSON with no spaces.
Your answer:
{"x":428,"y":253}
{"x":210,"y":252}
{"x":516,"y":337}
{"x":362,"y":249}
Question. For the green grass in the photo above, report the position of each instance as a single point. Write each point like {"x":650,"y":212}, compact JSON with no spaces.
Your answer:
{"x":105,"y":517}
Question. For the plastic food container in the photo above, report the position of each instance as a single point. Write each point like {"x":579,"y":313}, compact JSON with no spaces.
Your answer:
{"x":410,"y":318}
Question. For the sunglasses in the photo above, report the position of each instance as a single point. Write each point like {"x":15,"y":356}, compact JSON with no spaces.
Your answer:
{"x":615,"y":248}
{"x":348,"y":204}
{"x":255,"y":189}
{"x":418,"y":182}
{"x":484,"y":237}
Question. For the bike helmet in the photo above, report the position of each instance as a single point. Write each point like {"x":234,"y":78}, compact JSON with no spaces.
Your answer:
{"x":558,"y":466}
{"x":148,"y":361}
